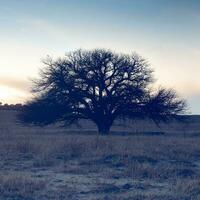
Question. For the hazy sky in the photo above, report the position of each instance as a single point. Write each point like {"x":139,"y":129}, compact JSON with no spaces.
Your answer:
{"x":165,"y":32}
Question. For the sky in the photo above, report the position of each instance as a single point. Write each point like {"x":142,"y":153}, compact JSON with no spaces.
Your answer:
{"x":165,"y":32}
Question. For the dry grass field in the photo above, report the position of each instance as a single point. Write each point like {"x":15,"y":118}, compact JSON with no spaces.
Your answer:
{"x":138,"y":161}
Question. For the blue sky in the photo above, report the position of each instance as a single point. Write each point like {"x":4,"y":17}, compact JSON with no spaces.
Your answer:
{"x":165,"y":32}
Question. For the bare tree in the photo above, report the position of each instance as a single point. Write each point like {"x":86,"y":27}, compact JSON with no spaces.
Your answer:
{"x":101,"y":86}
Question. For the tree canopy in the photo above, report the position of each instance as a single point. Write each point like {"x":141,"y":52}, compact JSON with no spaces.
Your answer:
{"x":99,"y":85}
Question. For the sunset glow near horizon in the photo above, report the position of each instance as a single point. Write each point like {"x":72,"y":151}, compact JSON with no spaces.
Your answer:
{"x":165,"y":32}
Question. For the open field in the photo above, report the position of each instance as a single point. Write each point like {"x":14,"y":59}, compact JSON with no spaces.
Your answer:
{"x":146,"y":163}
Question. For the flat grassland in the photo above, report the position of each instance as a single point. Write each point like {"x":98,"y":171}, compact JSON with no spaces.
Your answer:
{"x":138,"y":161}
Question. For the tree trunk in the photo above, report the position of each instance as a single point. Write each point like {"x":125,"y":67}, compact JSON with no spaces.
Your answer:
{"x":103,"y":129}
{"x":104,"y":123}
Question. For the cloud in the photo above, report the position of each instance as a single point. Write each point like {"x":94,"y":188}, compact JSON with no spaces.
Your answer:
{"x":16,"y":83}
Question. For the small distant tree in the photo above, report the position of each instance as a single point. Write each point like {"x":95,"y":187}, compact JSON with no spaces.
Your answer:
{"x":101,"y":86}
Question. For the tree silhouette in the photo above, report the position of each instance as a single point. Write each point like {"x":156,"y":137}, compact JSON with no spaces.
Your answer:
{"x":101,"y":86}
